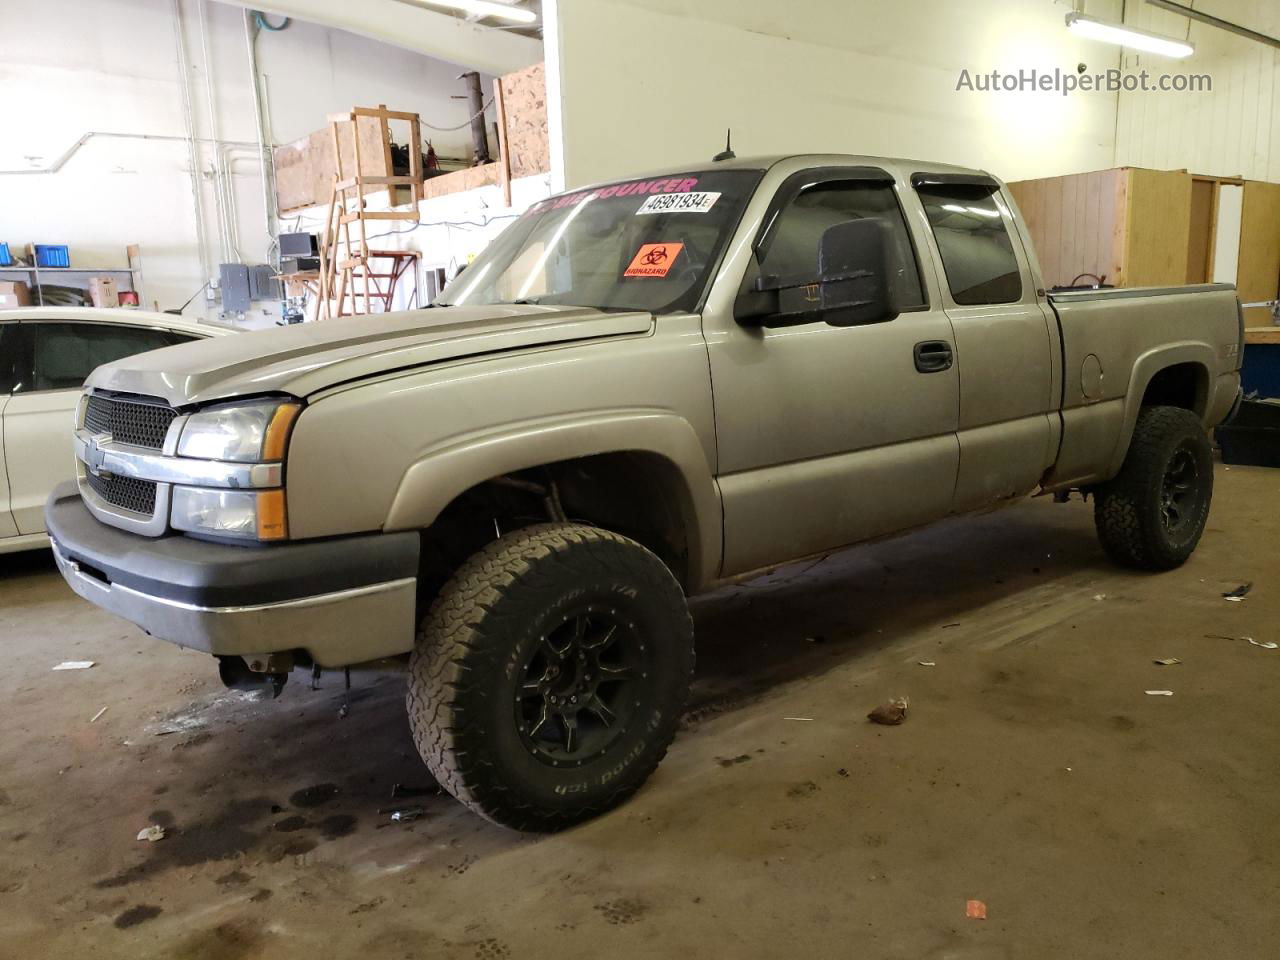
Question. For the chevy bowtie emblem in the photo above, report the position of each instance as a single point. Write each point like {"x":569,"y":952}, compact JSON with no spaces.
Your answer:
{"x":95,"y":456}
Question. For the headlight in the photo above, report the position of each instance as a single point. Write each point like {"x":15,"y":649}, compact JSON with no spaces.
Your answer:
{"x":253,"y":432}
{"x":244,"y":433}
{"x":245,"y":514}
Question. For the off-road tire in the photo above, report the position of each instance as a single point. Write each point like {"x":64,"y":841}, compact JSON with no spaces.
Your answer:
{"x":469,"y":668}
{"x":1129,"y":510}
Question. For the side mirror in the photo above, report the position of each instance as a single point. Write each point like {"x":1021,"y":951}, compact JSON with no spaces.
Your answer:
{"x":852,"y":287}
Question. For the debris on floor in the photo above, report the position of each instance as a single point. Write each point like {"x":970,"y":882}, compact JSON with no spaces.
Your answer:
{"x":927,"y":663}
{"x":1167,"y":661}
{"x":1159,"y":693}
{"x":94,"y":718}
{"x":1238,"y":593}
{"x":1099,"y":596}
{"x":399,"y":790}
{"x":152,"y":833}
{"x":1264,"y":644}
{"x":805,"y":719}
{"x":975,"y":910}
{"x":407,"y":814}
{"x":890,"y":714}
{"x":74,"y":665}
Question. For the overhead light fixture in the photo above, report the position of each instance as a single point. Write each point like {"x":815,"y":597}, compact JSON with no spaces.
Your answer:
{"x":483,"y":8}
{"x":1128,"y":36}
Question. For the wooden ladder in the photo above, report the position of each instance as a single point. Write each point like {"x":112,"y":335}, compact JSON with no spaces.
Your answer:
{"x":346,"y":276}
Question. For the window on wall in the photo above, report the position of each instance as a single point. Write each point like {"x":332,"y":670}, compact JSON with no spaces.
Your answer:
{"x":791,"y":247}
{"x":64,"y":354}
{"x":977,"y":251}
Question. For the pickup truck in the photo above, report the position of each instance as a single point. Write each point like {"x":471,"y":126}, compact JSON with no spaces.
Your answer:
{"x":639,"y":390}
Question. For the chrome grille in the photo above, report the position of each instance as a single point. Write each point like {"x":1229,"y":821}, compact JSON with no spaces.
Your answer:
{"x":138,"y":421}
{"x":127,"y":493}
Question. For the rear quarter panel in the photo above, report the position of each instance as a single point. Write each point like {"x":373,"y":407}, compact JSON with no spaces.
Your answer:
{"x":1114,"y":343}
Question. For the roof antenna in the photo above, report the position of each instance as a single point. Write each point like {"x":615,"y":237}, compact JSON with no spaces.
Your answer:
{"x":727,"y":153}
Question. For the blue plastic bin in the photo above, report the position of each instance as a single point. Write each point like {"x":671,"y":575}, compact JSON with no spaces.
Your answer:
{"x":6,"y":258}
{"x":52,"y":255}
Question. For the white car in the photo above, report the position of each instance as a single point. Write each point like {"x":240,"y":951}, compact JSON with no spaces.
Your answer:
{"x":45,"y":355}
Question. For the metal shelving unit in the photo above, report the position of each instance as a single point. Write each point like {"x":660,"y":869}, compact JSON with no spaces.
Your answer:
{"x":133,"y":272}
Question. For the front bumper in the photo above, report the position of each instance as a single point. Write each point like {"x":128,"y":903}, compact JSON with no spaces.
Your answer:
{"x":342,"y":601}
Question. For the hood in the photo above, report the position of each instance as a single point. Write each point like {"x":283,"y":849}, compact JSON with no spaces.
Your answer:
{"x":304,"y":358}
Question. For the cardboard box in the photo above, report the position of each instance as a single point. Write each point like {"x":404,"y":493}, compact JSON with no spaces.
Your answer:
{"x":103,"y":292}
{"x":14,"y":293}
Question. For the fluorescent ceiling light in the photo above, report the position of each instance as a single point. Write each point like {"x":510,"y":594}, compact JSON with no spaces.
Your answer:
{"x":483,"y":8}
{"x":1128,"y":36}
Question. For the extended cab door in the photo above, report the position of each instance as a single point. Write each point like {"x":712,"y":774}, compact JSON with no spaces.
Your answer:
{"x":829,"y":435}
{"x":1005,"y":339}
{"x":39,"y":419}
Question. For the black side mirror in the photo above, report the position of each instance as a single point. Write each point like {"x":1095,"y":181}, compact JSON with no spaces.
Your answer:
{"x":852,"y":286}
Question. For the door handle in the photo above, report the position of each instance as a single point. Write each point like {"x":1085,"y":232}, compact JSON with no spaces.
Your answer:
{"x":933,"y":356}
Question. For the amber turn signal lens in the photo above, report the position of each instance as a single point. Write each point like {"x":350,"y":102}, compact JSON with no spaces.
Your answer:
{"x":272,"y":524}
{"x":277,"y":438}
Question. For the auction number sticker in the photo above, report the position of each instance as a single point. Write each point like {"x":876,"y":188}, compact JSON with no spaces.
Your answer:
{"x":699,"y":202}
{"x":654,"y":260}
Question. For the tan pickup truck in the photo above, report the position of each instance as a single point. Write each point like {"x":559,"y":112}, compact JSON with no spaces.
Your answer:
{"x":640,"y":389}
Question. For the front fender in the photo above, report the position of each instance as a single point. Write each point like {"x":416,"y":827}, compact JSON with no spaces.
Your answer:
{"x":446,"y":471}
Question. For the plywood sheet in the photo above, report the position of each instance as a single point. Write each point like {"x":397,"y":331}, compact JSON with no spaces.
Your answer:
{"x":1157,"y":225}
{"x":1200,"y":238}
{"x":305,"y":168}
{"x":460,"y":180}
{"x":524,"y":94}
{"x":1073,"y":223}
{"x":1258,"y":276}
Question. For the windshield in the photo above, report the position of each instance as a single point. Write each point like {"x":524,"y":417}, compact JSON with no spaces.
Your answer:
{"x":634,"y":245}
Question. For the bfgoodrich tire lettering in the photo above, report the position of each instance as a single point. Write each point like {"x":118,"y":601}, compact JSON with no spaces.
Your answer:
{"x":1151,"y":515}
{"x":550,"y":674}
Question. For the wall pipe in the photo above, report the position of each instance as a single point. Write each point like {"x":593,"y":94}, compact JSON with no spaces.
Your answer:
{"x":72,"y":150}
{"x":193,"y":158}
{"x":265,"y":161}
{"x":211,"y":109}
{"x":1192,"y":14}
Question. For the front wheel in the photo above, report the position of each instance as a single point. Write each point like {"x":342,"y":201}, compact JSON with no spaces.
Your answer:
{"x":1151,"y":515}
{"x":550,"y":674}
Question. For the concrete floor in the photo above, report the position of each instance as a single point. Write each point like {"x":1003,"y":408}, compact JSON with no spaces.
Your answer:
{"x":1033,"y":773}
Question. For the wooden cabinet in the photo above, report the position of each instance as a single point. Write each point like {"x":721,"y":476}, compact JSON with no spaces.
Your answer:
{"x":1133,"y":227}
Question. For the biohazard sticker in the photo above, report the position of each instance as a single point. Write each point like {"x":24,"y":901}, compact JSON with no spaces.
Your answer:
{"x":654,"y":260}
{"x":679,"y":203}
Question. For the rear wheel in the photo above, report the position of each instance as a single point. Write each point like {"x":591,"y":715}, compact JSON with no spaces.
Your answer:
{"x":1151,"y":515}
{"x":550,"y":674}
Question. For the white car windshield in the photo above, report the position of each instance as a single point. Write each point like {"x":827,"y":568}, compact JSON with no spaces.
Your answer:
{"x":647,"y":244}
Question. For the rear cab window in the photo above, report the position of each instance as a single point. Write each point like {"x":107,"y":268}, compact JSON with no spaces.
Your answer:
{"x":968,"y":224}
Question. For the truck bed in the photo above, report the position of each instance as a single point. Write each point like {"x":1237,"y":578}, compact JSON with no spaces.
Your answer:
{"x":1113,"y":343}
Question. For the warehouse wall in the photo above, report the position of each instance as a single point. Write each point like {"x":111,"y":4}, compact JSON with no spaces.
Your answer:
{"x":1232,"y":131}
{"x":655,"y":82}
{"x":72,"y":66}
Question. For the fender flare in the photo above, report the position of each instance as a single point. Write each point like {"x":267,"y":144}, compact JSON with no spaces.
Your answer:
{"x":445,"y":471}
{"x":1145,"y":369}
